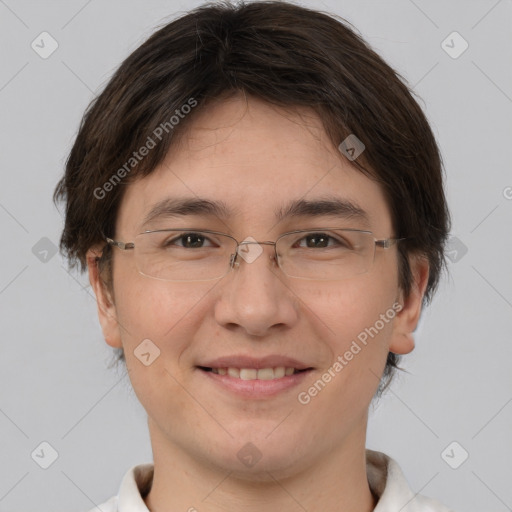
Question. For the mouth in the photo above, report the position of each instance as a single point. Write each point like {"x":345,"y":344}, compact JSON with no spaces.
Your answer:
{"x":255,"y":373}
{"x":254,"y":383}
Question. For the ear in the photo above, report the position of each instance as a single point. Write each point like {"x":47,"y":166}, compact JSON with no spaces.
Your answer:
{"x":106,"y":308}
{"x":406,"y":320}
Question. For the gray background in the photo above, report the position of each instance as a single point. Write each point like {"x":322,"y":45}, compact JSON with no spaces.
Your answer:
{"x":54,"y":382}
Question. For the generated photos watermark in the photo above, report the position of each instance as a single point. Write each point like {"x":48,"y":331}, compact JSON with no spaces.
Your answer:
{"x":151,"y":142}
{"x":304,"y":397}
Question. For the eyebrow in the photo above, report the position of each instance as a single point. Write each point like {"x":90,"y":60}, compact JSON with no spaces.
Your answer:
{"x":178,"y":207}
{"x":331,"y":206}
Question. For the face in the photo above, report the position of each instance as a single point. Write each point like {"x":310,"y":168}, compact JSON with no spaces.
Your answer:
{"x":256,"y":160}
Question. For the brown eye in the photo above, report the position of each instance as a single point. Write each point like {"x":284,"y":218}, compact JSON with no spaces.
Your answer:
{"x":321,"y":241}
{"x":188,"y":241}
{"x":317,"y":240}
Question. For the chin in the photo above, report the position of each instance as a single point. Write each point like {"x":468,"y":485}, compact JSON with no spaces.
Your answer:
{"x":260,"y":459}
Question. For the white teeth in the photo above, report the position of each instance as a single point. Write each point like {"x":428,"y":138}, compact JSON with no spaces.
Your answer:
{"x":265,"y":374}
{"x":234,"y":372}
{"x":280,"y":372}
{"x":253,"y":373}
{"x":248,"y":374}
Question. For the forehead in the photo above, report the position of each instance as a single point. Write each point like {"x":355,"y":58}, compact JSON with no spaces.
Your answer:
{"x":253,"y":160}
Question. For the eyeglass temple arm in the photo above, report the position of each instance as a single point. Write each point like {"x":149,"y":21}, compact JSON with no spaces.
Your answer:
{"x":121,"y":245}
{"x":125,"y":246}
{"x":388,"y":242}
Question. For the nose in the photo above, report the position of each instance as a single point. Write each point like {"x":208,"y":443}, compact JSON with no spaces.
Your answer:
{"x":254,"y":296}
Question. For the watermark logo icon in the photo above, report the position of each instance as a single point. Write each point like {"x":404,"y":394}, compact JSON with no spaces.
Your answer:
{"x":44,"y":250}
{"x":250,"y":249}
{"x":249,"y":455}
{"x":44,"y":45}
{"x":44,"y":455}
{"x":454,"y":455}
{"x":455,"y":249}
{"x":351,"y":147}
{"x":147,"y":352}
{"x":454,"y":45}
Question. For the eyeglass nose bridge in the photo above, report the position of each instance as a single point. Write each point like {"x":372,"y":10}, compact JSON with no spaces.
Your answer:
{"x":234,"y":257}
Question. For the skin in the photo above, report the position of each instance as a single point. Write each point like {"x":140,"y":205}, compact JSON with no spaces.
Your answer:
{"x":313,"y":456}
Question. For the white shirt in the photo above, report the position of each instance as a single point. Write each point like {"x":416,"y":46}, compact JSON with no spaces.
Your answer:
{"x":385,"y":478}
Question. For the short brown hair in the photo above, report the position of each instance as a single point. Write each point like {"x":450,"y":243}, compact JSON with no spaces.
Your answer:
{"x":286,"y":55}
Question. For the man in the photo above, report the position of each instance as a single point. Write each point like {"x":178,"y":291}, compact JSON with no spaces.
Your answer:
{"x":258,"y":200}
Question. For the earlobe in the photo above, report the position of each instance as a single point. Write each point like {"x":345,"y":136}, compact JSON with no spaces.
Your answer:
{"x":403,"y":343}
{"x":107,"y":313}
{"x":406,"y":320}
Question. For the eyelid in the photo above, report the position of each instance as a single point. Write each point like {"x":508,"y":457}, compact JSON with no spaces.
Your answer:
{"x":326,"y":232}
{"x":210,"y":239}
{"x":181,"y":234}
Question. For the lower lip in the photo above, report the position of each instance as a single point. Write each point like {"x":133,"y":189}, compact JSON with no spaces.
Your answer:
{"x":256,"y":388}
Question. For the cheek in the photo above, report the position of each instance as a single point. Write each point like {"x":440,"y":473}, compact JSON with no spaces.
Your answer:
{"x":158,"y":310}
{"x":167,"y":314}
{"x":354,"y":322}
{"x":344,"y":310}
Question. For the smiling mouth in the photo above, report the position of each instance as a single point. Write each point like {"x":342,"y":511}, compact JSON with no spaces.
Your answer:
{"x":255,"y":373}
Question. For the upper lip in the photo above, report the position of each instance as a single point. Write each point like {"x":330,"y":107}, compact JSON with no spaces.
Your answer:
{"x":244,"y":361}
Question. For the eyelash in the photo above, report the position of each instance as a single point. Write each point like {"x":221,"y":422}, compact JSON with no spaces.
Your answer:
{"x":169,"y":242}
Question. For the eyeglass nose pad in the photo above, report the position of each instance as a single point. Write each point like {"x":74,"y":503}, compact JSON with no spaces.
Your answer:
{"x":233,"y":260}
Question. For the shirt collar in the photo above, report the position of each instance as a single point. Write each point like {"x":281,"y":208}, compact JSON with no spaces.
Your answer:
{"x":133,"y":484}
{"x":388,"y":482}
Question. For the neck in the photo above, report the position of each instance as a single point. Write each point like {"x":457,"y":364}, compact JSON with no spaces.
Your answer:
{"x":335,"y":480}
